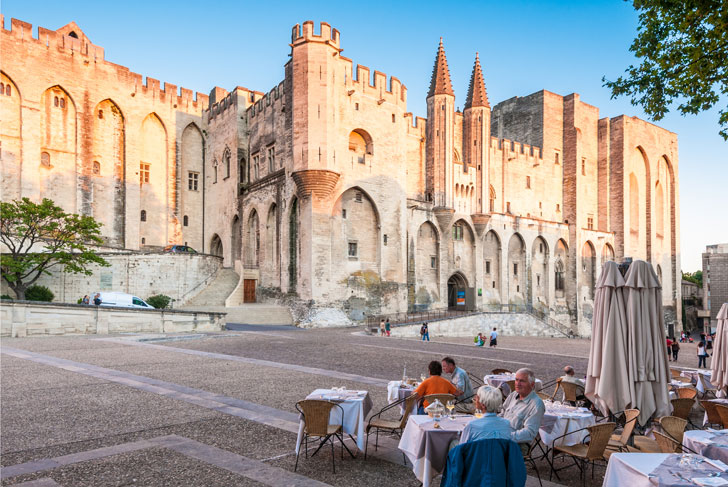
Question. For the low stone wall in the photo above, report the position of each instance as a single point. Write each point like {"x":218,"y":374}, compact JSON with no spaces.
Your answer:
{"x":143,"y":274}
{"x":28,"y":318}
{"x":514,"y":324}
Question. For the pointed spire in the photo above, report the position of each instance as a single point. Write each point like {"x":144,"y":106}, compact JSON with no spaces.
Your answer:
{"x":477,"y":95}
{"x":440,"y":83}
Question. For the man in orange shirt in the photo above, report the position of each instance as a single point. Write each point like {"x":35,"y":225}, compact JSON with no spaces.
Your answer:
{"x":435,"y":385}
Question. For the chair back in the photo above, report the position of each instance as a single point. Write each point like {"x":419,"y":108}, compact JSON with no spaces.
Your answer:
{"x":667,"y":444}
{"x":685,"y":380}
{"x":722,"y":414}
{"x":675,"y":373}
{"x":500,"y":371}
{"x":600,"y":435}
{"x":511,"y":385}
{"x":681,"y":407}
{"x":570,"y":390}
{"x":556,"y":389}
{"x":674,"y":427}
{"x":543,"y":396}
{"x":707,"y":386}
{"x":443,"y":398}
{"x":712,"y":411}
{"x":686,"y":393}
{"x":630,"y":420}
{"x":409,"y":404}
{"x":316,"y":415}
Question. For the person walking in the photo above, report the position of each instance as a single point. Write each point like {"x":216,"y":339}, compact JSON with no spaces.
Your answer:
{"x":493,"y":338}
{"x":425,"y":332}
{"x":387,"y":327}
{"x":382,"y":331}
{"x":97,"y":299}
{"x":675,"y":350}
{"x":86,"y":300}
{"x":702,"y":355}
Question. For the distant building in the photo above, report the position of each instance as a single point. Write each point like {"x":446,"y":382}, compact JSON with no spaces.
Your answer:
{"x":715,"y":282}
{"x":692,"y":304}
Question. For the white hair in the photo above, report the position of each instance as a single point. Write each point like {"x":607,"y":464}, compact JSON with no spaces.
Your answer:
{"x":529,"y":372}
{"x":491,"y":398}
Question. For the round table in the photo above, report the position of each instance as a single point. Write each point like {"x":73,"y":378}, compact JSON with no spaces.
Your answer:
{"x":560,"y":419}
{"x":499,"y":381}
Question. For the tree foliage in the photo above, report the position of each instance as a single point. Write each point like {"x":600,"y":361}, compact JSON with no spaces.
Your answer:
{"x":694,"y":277}
{"x":683,"y":47}
{"x":159,"y":301}
{"x":40,"y":236}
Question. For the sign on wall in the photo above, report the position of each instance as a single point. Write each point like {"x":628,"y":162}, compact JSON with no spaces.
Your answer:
{"x":106,"y":281}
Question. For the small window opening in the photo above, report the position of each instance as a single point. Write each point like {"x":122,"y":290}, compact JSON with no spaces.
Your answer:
{"x":97,"y":167}
{"x":45,"y":159}
{"x":144,"y":240}
{"x":515,"y":269}
{"x":144,"y":215}
{"x":352,"y":249}
{"x":343,"y":213}
{"x":55,"y":101}
{"x":73,"y":34}
{"x":528,"y":182}
{"x":358,"y":197}
{"x":393,"y":118}
{"x":101,"y":114}
{"x":583,"y":167}
{"x":186,"y":220}
{"x":63,"y":102}
{"x":487,"y":267}
{"x":356,"y":106}
{"x":385,"y":239}
{"x":433,"y":262}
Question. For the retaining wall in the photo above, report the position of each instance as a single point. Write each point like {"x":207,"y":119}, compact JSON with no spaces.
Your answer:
{"x":514,"y":324}
{"x":26,"y":318}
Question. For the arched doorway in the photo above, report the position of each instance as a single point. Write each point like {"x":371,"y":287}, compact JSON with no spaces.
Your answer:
{"x":216,"y":246}
{"x":457,"y":287}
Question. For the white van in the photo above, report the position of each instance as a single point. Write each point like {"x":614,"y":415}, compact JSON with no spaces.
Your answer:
{"x":122,"y":300}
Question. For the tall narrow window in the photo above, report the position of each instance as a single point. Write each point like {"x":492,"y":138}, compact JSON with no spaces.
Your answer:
{"x":352,"y":249}
{"x":143,"y":173}
{"x":185,"y":220}
{"x":271,"y":159}
{"x":143,"y":216}
{"x":226,"y":161}
{"x":508,"y":207}
{"x":559,"y":276}
{"x":457,"y":232}
{"x":590,"y":223}
{"x":256,"y":162}
{"x":487,"y":267}
{"x":192,"y":180}
{"x":433,"y":262}
{"x":515,"y":269}
{"x":583,"y":166}
{"x":556,"y":158}
{"x":528,"y":182}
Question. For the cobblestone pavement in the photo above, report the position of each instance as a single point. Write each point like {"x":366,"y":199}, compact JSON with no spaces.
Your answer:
{"x":218,"y":409}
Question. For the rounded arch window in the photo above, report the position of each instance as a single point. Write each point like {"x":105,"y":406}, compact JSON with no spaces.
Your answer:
{"x":45,"y":159}
{"x":360,"y":145}
{"x":143,"y":215}
{"x":8,"y":90}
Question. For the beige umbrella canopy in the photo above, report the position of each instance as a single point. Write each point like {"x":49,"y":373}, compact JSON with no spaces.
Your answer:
{"x":607,"y":378}
{"x":719,"y":365}
{"x":646,"y":354}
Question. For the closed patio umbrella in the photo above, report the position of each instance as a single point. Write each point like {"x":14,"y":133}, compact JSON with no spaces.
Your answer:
{"x":719,"y":364}
{"x":647,"y":356}
{"x":607,"y":379}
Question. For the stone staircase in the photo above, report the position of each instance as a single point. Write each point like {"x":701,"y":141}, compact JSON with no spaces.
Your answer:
{"x":215,"y":294}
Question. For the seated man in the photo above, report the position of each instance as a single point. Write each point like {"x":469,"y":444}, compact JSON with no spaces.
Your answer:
{"x":459,"y":379}
{"x":435,"y":385}
{"x":570,"y":377}
{"x":488,"y":399}
{"x":524,"y":409}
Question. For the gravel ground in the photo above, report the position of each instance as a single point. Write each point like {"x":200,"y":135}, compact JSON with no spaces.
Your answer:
{"x":49,"y":412}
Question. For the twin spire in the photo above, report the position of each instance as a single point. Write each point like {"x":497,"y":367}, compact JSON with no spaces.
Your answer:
{"x":441,"y":84}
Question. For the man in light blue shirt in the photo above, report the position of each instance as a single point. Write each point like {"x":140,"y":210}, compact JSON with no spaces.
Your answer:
{"x":524,"y":409}
{"x":459,"y":378}
{"x":488,"y":399}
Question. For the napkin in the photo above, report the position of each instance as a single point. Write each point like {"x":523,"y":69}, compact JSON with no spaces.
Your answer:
{"x":710,"y":481}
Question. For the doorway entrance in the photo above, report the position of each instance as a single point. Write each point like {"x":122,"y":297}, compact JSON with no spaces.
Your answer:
{"x":248,"y":290}
{"x":457,"y":287}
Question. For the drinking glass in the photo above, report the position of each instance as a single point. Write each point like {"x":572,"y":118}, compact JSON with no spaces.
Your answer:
{"x":450,"y":406}
{"x":478,"y":413}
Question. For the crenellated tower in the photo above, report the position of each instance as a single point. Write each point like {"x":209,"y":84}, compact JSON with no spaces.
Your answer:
{"x":439,"y":133}
{"x":476,"y":135}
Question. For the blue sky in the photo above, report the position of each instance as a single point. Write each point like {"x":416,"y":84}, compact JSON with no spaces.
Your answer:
{"x":524,"y":46}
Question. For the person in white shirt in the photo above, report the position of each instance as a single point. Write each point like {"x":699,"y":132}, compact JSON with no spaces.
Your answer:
{"x":570,"y":377}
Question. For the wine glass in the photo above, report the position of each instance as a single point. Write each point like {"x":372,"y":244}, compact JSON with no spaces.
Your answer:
{"x":422,"y":378}
{"x":450,"y":406}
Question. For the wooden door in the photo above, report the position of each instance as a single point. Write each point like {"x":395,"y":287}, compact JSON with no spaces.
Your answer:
{"x":249,"y":290}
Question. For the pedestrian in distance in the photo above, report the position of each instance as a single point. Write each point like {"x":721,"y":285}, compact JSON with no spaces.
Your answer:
{"x":382,"y":331}
{"x":702,"y":355}
{"x":425,"y":332}
{"x":675,"y":350}
{"x":86,"y":300}
{"x":97,"y":299}
{"x":387,"y":327}
{"x":669,"y":348}
{"x":494,"y":338}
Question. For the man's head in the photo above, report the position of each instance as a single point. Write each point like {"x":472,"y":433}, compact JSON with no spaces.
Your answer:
{"x":488,"y":399}
{"x":568,"y":370}
{"x":493,"y":328}
{"x":435,"y":368}
{"x":525,"y":382}
{"x":448,"y":365}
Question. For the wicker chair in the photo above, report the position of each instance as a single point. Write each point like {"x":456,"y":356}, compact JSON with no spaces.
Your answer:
{"x":572,"y":392}
{"x":395,"y":426}
{"x":685,"y":380}
{"x":443,"y":398}
{"x":543,"y":396}
{"x":712,"y":412}
{"x":500,"y":371}
{"x":584,"y":454}
{"x":681,"y":407}
{"x":722,"y":413}
{"x":687,"y":393}
{"x":511,"y":386}
{"x":619,"y":442}
{"x":674,"y":427}
{"x":667,"y":444}
{"x":675,"y":373}
{"x":707,"y":387}
{"x":315,"y":414}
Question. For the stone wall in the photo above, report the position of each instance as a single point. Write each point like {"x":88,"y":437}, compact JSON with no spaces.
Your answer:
{"x":179,"y":276}
{"x":513,"y":324}
{"x":25,"y":318}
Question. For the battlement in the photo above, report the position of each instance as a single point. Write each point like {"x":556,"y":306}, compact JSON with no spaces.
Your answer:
{"x":379,"y":86}
{"x":305,"y":33}
{"x":71,"y":41}
{"x":273,"y":97}
{"x":416,"y":125}
{"x":517,"y":150}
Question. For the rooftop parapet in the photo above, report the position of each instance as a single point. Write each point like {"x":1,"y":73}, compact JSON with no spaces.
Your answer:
{"x":305,"y":33}
{"x":381,"y":87}
{"x":516,"y":150}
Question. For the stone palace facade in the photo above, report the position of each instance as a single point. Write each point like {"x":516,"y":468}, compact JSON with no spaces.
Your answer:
{"x":325,"y":191}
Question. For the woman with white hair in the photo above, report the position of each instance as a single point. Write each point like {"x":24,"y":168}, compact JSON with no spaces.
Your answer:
{"x":488,"y":399}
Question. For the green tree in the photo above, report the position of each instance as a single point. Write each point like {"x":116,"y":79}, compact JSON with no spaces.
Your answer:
{"x":683,"y":47}
{"x":696,"y":277}
{"x":40,"y":236}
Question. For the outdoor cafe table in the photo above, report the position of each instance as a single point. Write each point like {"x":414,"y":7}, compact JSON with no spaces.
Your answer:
{"x":710,"y":443}
{"x":395,"y":393}
{"x":692,"y":374}
{"x":356,"y":406}
{"x":427,"y":447}
{"x":657,"y":469}
{"x":499,"y":380}
{"x":561,"y":419}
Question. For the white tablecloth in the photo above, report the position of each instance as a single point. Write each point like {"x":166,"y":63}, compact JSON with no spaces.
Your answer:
{"x":500,"y":380}
{"x":692,"y":374}
{"x":395,"y":392}
{"x":703,"y":442}
{"x":559,"y":420}
{"x":427,"y":447}
{"x":631,"y":469}
{"x":356,"y":406}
